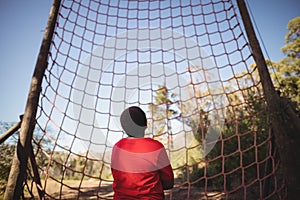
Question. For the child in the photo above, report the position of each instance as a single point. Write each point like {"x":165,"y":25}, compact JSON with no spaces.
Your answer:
{"x":140,"y":166}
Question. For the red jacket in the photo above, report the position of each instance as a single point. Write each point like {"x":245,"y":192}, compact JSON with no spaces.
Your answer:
{"x":141,"y":169}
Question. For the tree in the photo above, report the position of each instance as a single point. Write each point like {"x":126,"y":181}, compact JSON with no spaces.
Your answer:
{"x":287,"y":70}
{"x":245,"y":132}
{"x":162,"y":110}
{"x":7,"y":150}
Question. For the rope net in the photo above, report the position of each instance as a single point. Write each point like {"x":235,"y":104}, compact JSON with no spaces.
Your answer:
{"x":188,"y":65}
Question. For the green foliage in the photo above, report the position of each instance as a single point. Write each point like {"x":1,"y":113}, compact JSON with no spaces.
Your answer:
{"x":163,"y":109}
{"x":244,"y":135}
{"x":287,"y":70}
{"x":7,"y":150}
{"x":199,"y":125}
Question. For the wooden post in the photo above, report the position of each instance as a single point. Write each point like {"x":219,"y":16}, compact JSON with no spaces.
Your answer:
{"x":17,"y":174}
{"x":11,"y":131}
{"x":36,"y":175}
{"x":284,"y":120}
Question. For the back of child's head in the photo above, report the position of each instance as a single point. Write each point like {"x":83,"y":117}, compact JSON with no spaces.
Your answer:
{"x":133,"y":121}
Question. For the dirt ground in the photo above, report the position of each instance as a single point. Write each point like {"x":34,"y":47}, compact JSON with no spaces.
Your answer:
{"x":90,"y":189}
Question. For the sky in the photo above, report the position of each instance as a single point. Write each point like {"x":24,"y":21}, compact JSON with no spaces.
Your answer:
{"x":22,"y":24}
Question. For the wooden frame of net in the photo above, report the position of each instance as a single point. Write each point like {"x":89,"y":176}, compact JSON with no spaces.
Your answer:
{"x":75,"y":32}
